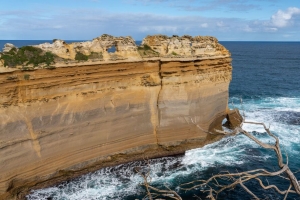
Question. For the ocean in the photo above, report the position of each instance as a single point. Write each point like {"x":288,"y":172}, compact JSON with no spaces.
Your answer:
{"x":266,"y":76}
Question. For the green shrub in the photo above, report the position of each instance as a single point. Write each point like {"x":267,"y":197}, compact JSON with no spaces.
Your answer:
{"x":49,"y":58}
{"x":174,"y":54}
{"x":13,"y":51}
{"x":27,"y":55}
{"x":144,"y":47}
{"x":80,"y":56}
{"x":95,"y":55}
{"x":26,"y":76}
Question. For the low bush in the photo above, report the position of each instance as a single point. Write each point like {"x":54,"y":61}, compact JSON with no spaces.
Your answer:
{"x":81,"y":57}
{"x":26,"y":76}
{"x":174,"y":54}
{"x":95,"y":55}
{"x":27,"y":55}
{"x":144,"y":47}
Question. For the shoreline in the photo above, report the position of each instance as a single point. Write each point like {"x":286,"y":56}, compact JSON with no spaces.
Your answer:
{"x":150,"y":153}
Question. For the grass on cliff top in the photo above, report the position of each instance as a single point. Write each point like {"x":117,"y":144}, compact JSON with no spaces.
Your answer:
{"x":147,"y":51}
{"x":94,"y":55}
{"x":27,"y":55}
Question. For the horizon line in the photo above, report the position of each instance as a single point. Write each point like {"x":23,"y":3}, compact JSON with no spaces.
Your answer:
{"x":142,"y":39}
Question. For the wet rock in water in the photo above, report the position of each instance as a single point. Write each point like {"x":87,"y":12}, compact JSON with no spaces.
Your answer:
{"x":234,"y":119}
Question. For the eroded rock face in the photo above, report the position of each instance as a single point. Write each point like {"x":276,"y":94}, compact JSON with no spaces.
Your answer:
{"x":185,"y":46}
{"x":58,"y":47}
{"x":125,"y":48}
{"x":158,"y":43}
{"x":73,"y":119}
{"x":8,"y":47}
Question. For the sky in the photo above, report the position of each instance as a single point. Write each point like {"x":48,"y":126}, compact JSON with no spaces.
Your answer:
{"x":228,"y":20}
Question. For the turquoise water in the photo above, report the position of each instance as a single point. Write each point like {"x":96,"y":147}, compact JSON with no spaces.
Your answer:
{"x":266,"y":78}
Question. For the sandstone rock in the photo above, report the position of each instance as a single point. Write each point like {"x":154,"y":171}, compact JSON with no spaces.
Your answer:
{"x":180,"y":46}
{"x":175,"y":46}
{"x":234,"y":119}
{"x":80,"y":117}
{"x":158,"y":43}
{"x":58,"y":47}
{"x":1,"y":62}
{"x":186,"y":46}
{"x":126,"y":47}
{"x":8,"y":47}
{"x":83,"y":47}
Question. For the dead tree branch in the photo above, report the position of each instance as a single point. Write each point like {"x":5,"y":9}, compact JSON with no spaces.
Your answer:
{"x":212,"y":186}
{"x":153,"y":192}
{"x":243,"y":177}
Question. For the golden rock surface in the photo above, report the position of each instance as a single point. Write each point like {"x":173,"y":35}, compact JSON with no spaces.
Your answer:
{"x":60,"y":123}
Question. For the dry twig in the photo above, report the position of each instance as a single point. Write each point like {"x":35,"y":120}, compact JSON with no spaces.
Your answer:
{"x":212,"y":186}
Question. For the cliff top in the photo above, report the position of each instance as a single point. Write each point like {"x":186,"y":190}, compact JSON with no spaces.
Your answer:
{"x":59,"y":53}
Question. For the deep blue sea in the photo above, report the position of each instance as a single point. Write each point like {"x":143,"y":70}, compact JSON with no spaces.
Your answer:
{"x":266,"y":76}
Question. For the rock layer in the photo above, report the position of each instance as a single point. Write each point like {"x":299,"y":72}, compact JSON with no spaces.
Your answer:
{"x":56,"y":124}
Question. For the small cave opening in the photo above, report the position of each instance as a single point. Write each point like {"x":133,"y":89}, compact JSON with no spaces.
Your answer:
{"x":225,"y":121}
{"x":112,"y":49}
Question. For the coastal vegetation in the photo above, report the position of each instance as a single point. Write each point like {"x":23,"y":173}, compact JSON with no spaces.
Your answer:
{"x":146,"y":51}
{"x":94,"y":55}
{"x":81,"y":57}
{"x":26,"y":76}
{"x":27,"y":55}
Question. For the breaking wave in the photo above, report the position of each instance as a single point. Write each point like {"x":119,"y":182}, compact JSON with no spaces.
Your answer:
{"x":121,"y":182}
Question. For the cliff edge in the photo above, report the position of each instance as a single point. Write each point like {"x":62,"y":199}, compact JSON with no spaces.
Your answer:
{"x":83,"y":114}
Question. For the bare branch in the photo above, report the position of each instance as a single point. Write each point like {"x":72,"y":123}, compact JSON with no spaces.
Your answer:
{"x":213,"y":187}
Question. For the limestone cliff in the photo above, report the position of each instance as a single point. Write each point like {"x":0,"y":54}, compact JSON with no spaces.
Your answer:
{"x":56,"y":124}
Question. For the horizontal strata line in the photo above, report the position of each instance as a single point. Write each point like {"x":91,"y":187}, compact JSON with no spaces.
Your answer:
{"x":87,"y":149}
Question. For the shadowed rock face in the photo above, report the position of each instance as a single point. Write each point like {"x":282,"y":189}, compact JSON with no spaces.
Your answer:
{"x":60,"y":123}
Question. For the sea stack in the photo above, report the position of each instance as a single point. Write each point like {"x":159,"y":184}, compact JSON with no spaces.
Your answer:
{"x":77,"y":115}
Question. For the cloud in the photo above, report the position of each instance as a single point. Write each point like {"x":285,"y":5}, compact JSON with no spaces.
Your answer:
{"x":284,"y":18}
{"x":271,"y":29}
{"x":243,"y":7}
{"x":195,"y":6}
{"x":158,"y":29}
{"x":204,"y":25}
{"x":80,"y":24}
{"x":221,"y":24}
{"x":247,"y":28}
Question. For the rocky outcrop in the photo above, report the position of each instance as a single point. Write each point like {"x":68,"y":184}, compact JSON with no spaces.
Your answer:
{"x":59,"y":123}
{"x":185,"y":46}
{"x":125,"y":48}
{"x":8,"y":47}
